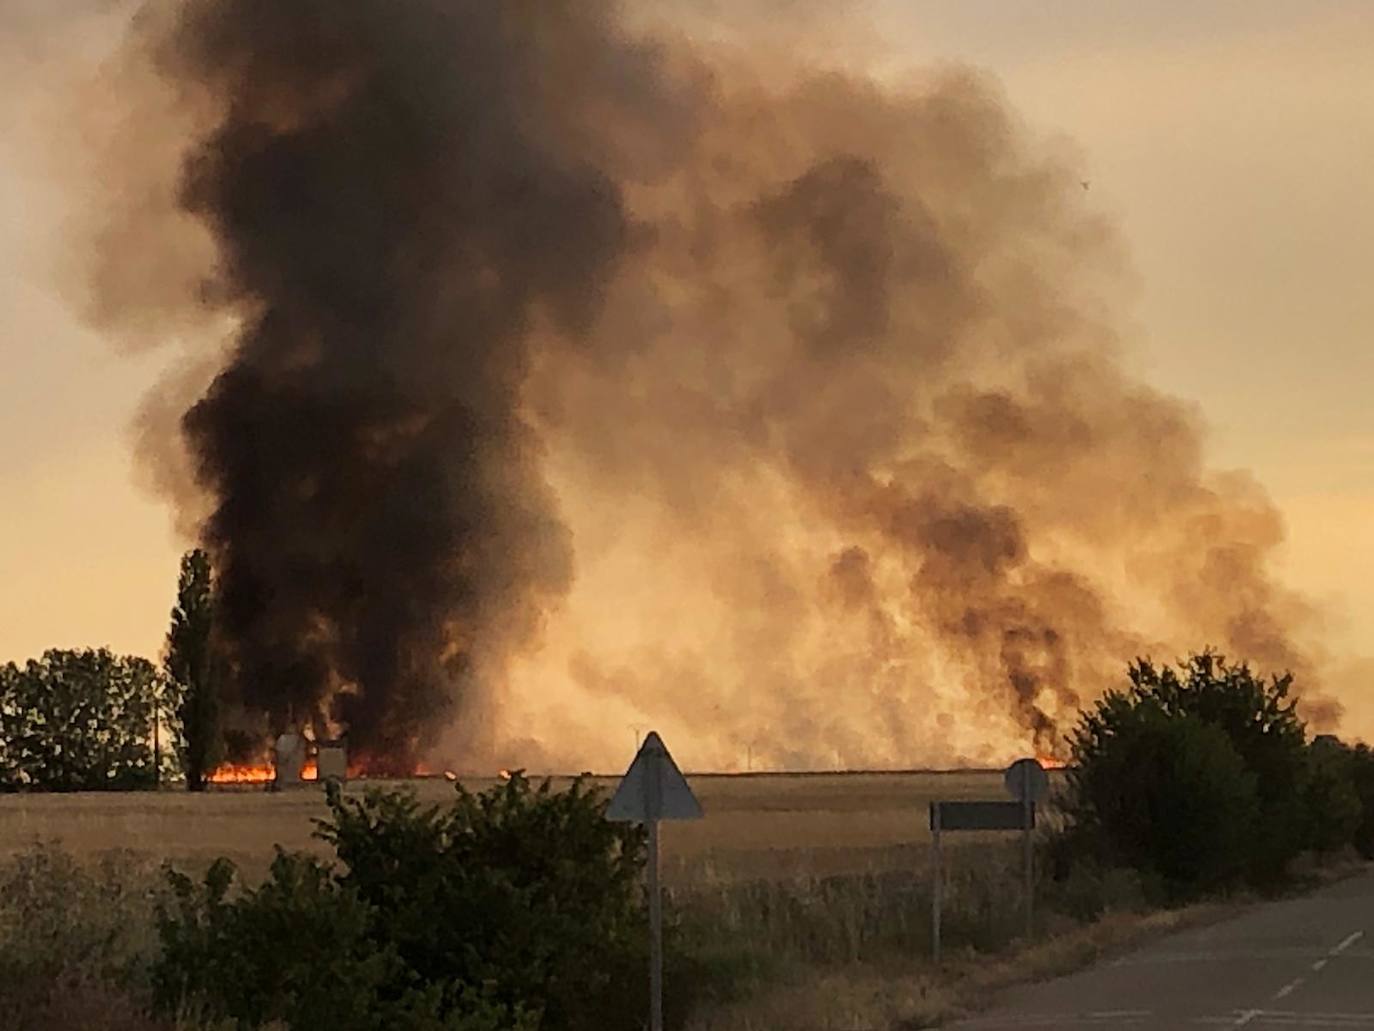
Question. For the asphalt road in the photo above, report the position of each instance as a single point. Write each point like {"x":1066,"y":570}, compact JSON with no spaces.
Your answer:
{"x":1299,"y":963}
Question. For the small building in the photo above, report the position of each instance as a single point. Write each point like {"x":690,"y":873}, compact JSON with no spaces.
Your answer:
{"x":288,"y":760}
{"x":331,"y":760}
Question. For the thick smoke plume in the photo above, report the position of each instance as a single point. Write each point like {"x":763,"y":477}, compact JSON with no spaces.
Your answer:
{"x":582,"y":375}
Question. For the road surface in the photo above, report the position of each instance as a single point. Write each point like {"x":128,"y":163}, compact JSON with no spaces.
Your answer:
{"x":1299,"y":963}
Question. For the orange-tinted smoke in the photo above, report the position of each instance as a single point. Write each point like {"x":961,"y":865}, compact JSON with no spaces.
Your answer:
{"x":583,"y":375}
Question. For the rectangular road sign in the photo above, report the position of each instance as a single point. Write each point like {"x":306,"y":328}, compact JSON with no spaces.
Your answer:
{"x":981,"y":816}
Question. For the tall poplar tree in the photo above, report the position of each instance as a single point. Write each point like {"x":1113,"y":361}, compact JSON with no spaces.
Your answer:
{"x":191,"y":665}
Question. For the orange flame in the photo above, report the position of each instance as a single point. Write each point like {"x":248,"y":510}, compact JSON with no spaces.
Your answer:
{"x":1050,"y":762}
{"x":503,"y":774}
{"x":257,"y":773}
{"x":233,"y":773}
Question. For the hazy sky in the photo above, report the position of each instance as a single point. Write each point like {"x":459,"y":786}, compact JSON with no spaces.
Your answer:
{"x":1232,"y":143}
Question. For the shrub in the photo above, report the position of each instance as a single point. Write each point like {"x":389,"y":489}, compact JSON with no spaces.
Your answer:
{"x":1256,"y":717}
{"x":1330,"y":800}
{"x":1161,"y":791}
{"x":1262,"y":724}
{"x":1362,"y":779}
{"x":527,"y":889}
{"x":297,"y":950}
{"x":74,"y":940}
{"x":518,"y":908}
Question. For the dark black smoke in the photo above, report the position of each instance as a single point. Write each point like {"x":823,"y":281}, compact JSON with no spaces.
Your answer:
{"x":400,"y":200}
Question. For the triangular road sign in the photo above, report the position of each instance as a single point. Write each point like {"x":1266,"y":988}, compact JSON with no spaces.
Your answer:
{"x":653,"y":788}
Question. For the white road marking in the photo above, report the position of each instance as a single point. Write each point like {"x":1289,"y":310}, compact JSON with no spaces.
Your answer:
{"x":1319,"y":964}
{"x":1349,"y":941}
{"x":1215,"y":956}
{"x":1270,"y":1017}
{"x":1289,"y":988}
{"x":1118,"y":1014}
{"x":1246,"y":1017}
{"x":1099,"y":1018}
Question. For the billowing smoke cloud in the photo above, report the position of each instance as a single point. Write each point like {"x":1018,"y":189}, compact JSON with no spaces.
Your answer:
{"x":584,"y":375}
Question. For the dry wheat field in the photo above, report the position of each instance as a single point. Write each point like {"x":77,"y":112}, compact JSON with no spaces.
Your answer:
{"x":756,"y":824}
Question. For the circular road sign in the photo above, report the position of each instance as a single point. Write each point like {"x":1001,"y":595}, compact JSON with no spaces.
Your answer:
{"x":1027,"y":779}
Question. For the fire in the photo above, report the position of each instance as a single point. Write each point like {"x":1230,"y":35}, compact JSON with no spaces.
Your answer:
{"x":503,"y":774}
{"x":257,"y":773}
{"x":1050,"y":762}
{"x":233,"y":773}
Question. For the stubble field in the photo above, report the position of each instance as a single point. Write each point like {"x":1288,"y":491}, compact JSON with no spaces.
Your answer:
{"x":756,"y":825}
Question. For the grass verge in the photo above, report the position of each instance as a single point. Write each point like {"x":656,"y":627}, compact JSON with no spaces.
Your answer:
{"x":896,"y":992}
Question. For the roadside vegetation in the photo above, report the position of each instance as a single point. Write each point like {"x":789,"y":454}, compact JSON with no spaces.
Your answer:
{"x":521,"y":909}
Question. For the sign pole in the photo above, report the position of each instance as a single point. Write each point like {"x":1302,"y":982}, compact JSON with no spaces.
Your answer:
{"x":653,"y":789}
{"x":938,"y":875}
{"x":655,"y":935}
{"x":1027,"y":855}
{"x":654,"y":800}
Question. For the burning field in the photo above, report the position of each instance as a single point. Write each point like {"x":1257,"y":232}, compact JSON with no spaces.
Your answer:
{"x":547,"y":369}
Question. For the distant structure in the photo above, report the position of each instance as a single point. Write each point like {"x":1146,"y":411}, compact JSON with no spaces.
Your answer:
{"x":289,"y":759}
{"x":331,"y":760}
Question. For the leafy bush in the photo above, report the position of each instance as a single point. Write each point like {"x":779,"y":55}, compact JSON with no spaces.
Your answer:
{"x":518,"y":908}
{"x":1330,"y":800}
{"x":1261,"y":722}
{"x":1161,"y":791}
{"x":297,"y":949}
{"x":1362,"y":779}
{"x":528,"y":889}
{"x":1261,"y":729}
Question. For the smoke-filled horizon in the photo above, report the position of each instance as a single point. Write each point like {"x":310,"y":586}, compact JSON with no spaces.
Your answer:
{"x":581,"y":375}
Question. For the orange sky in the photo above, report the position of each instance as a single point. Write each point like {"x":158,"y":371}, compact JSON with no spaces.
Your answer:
{"x":1232,"y":146}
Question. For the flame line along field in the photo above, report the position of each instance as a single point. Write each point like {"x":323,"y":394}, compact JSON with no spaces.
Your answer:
{"x":757,"y":825}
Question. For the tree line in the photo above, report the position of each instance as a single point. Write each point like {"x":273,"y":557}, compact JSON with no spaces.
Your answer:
{"x":90,"y":720}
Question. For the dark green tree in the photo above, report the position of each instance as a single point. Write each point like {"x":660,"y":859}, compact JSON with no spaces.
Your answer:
{"x":77,"y":721}
{"x":1166,"y":794}
{"x":1112,"y":750}
{"x":1362,"y":776}
{"x":194,"y":670}
{"x":1331,"y":800}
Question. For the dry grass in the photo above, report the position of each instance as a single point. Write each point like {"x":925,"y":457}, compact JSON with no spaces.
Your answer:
{"x":904,"y":996}
{"x":774,"y":825}
{"x":814,"y":889}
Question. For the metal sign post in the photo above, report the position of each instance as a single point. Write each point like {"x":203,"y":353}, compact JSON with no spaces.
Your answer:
{"x":1028,"y":782}
{"x":937,"y":865}
{"x":1028,"y":862}
{"x":654,"y":789}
